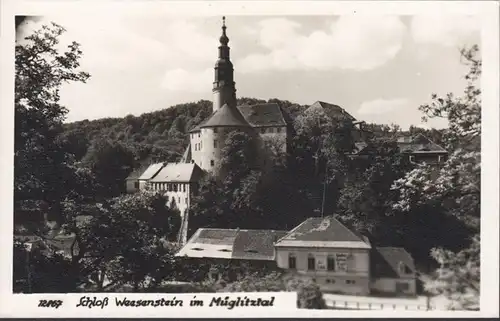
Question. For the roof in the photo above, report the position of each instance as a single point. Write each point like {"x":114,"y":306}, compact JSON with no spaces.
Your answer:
{"x":333,"y":111}
{"x":151,"y":171}
{"x":179,"y":172}
{"x":260,"y":115}
{"x":323,"y":232}
{"x":198,"y":127}
{"x":226,"y":117}
{"x":418,"y":144}
{"x":136,"y":173}
{"x":232,"y":244}
{"x":387,"y":260}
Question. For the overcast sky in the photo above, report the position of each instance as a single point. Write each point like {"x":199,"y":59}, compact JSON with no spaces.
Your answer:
{"x":379,"y":68}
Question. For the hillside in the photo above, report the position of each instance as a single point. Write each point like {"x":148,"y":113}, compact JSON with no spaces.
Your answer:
{"x":156,"y":136}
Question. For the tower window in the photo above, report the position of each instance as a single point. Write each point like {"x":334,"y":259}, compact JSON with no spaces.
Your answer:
{"x":212,"y":163}
{"x":199,"y":133}
{"x":215,"y":143}
{"x":215,"y":130}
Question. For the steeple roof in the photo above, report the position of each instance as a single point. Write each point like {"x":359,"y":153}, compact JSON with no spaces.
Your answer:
{"x":226,"y":117}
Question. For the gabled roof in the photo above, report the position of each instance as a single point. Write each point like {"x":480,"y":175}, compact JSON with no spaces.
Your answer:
{"x":418,"y":144}
{"x":333,"y":111}
{"x":226,"y":117}
{"x":261,"y":115}
{"x":386,"y":262}
{"x":198,"y":127}
{"x":151,"y":171}
{"x":232,"y":244}
{"x":136,"y":173}
{"x":178,"y":172}
{"x":323,"y":232}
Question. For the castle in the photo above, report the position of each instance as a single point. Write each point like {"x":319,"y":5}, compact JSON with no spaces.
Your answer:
{"x":267,"y":122}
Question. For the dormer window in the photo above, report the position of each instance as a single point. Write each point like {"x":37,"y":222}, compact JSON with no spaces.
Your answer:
{"x":404,"y":269}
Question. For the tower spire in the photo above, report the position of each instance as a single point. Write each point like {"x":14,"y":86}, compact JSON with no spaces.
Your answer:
{"x":223,"y":85}
{"x":224,"y":39}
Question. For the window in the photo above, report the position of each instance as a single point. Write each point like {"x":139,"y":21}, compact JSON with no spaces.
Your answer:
{"x":292,"y":261}
{"x":412,"y":159}
{"x":278,"y":130}
{"x":349,"y":281}
{"x":136,"y":185}
{"x":183,"y":187}
{"x":215,"y":143}
{"x":212,"y":162}
{"x":186,"y":200}
{"x":311,"y":263}
{"x":199,"y":133}
{"x":263,"y":130}
{"x":330,"y":263}
{"x":270,"y":130}
{"x":175,"y":187}
{"x":178,"y":200}
{"x":201,"y":145}
{"x":215,"y":130}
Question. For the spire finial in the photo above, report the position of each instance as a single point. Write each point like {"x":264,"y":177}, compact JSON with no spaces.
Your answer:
{"x":224,"y":39}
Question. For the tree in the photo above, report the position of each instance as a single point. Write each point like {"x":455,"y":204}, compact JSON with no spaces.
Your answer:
{"x":122,"y":241}
{"x":111,"y":163}
{"x":455,"y":186}
{"x":39,"y":158}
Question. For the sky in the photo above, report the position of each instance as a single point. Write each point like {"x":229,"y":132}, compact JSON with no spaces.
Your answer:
{"x":379,"y":68}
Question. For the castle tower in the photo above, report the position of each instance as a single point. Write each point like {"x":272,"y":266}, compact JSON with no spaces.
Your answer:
{"x":224,"y":90}
{"x":208,"y":138}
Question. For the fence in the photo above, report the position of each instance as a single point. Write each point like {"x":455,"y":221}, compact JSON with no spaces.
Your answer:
{"x":356,"y":305}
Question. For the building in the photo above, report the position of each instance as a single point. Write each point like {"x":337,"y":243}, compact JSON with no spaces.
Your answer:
{"x":420,"y":149}
{"x":324,"y":250}
{"x":253,"y":249}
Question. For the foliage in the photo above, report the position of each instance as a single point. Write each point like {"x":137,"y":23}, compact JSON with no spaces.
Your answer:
{"x":111,"y":163}
{"x":455,"y":187}
{"x":309,"y":295}
{"x":123,"y":240}
{"x":458,"y":276}
{"x":40,"y":157}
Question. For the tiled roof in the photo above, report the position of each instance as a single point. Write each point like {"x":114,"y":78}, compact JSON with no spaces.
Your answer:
{"x":136,"y":173}
{"x":198,"y":127}
{"x":386,"y":262}
{"x":226,"y":117}
{"x":324,"y":232}
{"x":263,"y":115}
{"x":179,"y":172}
{"x":232,"y":244}
{"x":334,"y":111}
{"x":151,"y":171}
{"x":417,"y":144}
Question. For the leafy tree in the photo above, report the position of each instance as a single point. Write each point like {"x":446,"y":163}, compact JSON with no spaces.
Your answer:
{"x":123,"y":240}
{"x":455,"y":186}
{"x":39,"y":158}
{"x":111,"y":163}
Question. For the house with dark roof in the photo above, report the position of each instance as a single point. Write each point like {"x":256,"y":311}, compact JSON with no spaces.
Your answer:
{"x":420,"y":149}
{"x":337,"y":258}
{"x":253,"y":248}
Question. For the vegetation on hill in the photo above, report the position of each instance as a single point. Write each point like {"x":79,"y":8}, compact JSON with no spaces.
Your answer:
{"x":64,"y":172}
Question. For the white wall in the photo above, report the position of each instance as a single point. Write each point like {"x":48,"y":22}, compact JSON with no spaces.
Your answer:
{"x":182,"y":198}
{"x":388,"y":285}
{"x":359,"y":262}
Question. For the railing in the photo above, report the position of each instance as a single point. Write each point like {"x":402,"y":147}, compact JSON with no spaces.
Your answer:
{"x":356,"y":305}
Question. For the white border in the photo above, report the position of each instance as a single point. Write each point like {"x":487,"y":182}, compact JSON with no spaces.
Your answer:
{"x":14,"y":306}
